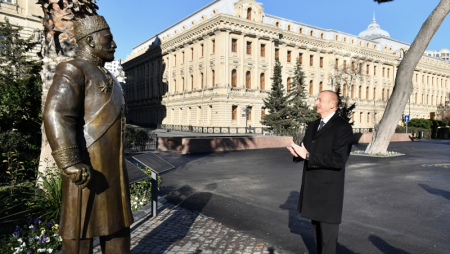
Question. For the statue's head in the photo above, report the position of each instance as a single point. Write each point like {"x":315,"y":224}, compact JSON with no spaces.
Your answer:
{"x":94,"y":36}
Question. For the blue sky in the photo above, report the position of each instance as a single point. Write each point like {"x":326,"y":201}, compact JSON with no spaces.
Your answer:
{"x":134,"y":21}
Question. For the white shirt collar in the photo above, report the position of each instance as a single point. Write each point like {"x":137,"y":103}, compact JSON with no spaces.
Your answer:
{"x":328,"y":117}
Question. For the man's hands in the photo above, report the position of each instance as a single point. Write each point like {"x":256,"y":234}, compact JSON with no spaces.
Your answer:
{"x":297,"y":151}
{"x":80,"y":174}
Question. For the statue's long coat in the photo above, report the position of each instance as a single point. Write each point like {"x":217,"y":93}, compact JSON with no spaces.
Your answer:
{"x":79,"y":111}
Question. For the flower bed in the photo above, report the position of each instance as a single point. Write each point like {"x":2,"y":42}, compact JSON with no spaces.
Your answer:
{"x":35,"y":237}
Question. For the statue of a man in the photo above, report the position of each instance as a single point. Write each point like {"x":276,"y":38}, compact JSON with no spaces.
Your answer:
{"x":84,"y":121}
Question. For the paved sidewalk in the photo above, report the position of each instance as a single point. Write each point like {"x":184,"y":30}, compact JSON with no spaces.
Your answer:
{"x":178,"y":230}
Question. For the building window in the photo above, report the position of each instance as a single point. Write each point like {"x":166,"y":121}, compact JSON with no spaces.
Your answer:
{"x":388,"y":94}
{"x":321,"y":62}
{"x":359,"y":92}
{"x":368,"y":117}
{"x":288,"y":85}
{"x":417,"y":77}
{"x":336,"y":64}
{"x":262,"y":81}
{"x":192,"y":82}
{"x":175,"y":84}
{"x":415,"y":98}
{"x":360,"y":117}
{"x":311,"y":33}
{"x":182,"y":82}
{"x":374,"y":70}
{"x":234,"y":45}
{"x":382,"y":94}
{"x":300,"y":58}
{"x":263,"y":112}
{"x":201,"y":76}
{"x":202,"y":49}
{"x":311,"y":87}
{"x":345,"y":64}
{"x":192,"y":53}
{"x":249,"y":48}
{"x":320,"y":87}
{"x":175,"y":60}
{"x":214,"y":46}
{"x":182,"y":57}
{"x":289,"y":55}
{"x":353,"y":66}
{"x":233,"y":78}
{"x":352,"y":92}
{"x":383,"y":72}
{"x":213,"y":77}
{"x":367,"y":69}
{"x":344,"y":91}
{"x":289,"y":28}
{"x":300,"y":30}
{"x":234,"y":113}
{"x":249,"y":13}
{"x":311,"y":60}
{"x":277,"y":24}
{"x":321,"y":36}
{"x":248,"y":80}
{"x":263,"y":50}
{"x":388,"y":72}
{"x":249,"y":114}
{"x":277,"y":54}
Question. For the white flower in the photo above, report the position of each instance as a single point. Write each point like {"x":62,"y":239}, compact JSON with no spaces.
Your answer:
{"x":144,"y":200}
{"x":56,"y":225}
{"x":50,"y":250}
{"x":141,"y":203}
{"x":55,"y":234}
{"x":31,"y":227}
{"x":135,"y":206}
{"x":47,"y":240}
{"x":20,"y":240}
{"x":42,"y":232}
{"x":136,"y":198}
{"x":37,"y":237}
{"x":60,"y":239}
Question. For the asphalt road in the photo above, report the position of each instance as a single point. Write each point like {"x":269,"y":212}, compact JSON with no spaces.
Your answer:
{"x":392,"y":205}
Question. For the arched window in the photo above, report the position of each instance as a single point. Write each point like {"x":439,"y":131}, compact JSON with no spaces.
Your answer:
{"x":388,"y":95}
{"x":321,"y":36}
{"x":367,"y":93}
{"x":248,"y":80}
{"x":360,"y":117}
{"x":311,"y":87}
{"x":288,"y":85}
{"x":213,"y":77}
{"x":182,"y":82}
{"x":320,"y":86}
{"x":382,"y":94}
{"x":344,"y":91}
{"x":262,"y":81}
{"x":289,"y":28}
{"x":233,"y":78}
{"x":368,"y":117}
{"x":249,"y":13}
{"x":359,"y":92}
{"x":192,"y":82}
{"x":311,"y":33}
{"x":300,"y":30}
{"x":201,"y":76}
{"x":277,"y":24}
{"x":352,"y":92}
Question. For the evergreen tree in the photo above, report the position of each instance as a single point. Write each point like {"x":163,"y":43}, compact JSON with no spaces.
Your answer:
{"x":299,"y":110}
{"x":278,"y":119}
{"x":20,"y":93}
{"x":343,"y":109}
{"x":13,"y":54}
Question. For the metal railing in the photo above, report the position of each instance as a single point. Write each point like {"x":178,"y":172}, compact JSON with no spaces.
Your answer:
{"x":212,"y":129}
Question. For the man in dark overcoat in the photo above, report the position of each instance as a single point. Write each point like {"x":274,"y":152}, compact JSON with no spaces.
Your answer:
{"x":324,"y":150}
{"x":84,"y":121}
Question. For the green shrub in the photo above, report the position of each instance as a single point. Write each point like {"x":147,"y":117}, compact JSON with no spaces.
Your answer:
{"x":420,"y":123}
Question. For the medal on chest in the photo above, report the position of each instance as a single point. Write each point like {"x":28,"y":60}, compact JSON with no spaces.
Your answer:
{"x":106,"y":85}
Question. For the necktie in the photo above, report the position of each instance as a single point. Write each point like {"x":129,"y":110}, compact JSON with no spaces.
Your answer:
{"x":321,"y":125}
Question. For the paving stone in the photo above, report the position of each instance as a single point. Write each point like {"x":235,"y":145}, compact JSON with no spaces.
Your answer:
{"x":178,"y":230}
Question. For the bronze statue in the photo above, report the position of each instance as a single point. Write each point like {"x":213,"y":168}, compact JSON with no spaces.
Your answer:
{"x":84,"y":119}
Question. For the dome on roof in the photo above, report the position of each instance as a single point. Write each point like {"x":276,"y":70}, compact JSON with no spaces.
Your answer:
{"x":444,"y":50}
{"x":374,"y":30}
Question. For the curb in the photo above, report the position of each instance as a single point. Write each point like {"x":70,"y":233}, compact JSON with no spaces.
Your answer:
{"x":137,"y":215}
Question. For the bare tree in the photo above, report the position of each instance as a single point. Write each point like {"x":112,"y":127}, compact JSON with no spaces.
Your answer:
{"x":403,"y":82}
{"x":59,"y":45}
{"x":347,"y":75}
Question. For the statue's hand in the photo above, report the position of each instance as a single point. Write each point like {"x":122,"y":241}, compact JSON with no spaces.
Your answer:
{"x":80,"y":174}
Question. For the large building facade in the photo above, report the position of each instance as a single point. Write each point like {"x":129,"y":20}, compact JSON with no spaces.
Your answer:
{"x":26,"y":14}
{"x":204,"y":69}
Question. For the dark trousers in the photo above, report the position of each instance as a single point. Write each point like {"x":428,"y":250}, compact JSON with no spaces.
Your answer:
{"x":326,"y":236}
{"x":118,"y":242}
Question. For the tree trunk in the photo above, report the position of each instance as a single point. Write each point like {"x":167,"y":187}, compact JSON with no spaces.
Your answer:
{"x":403,"y":82}
{"x":59,"y":46}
